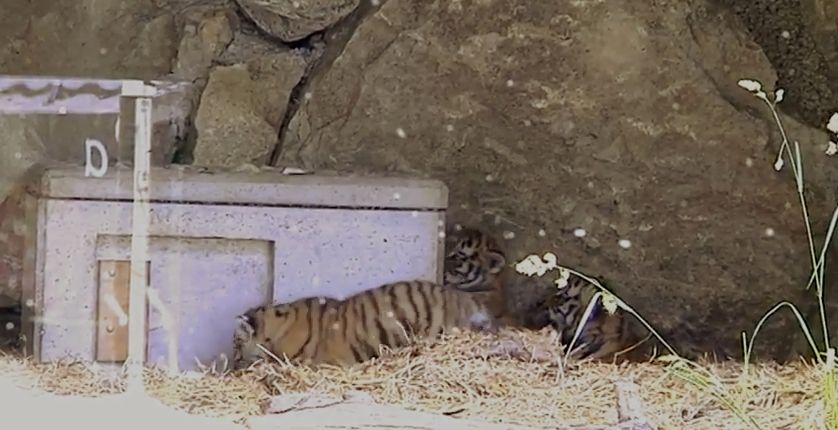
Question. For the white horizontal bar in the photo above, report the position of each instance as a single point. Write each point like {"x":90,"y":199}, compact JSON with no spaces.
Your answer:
{"x":68,"y":95}
{"x":134,"y":88}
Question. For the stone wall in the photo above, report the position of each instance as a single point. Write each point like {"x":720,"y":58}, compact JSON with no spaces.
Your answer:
{"x":621,"y":119}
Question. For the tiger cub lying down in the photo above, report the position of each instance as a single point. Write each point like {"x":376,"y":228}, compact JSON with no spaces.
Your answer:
{"x":346,"y":332}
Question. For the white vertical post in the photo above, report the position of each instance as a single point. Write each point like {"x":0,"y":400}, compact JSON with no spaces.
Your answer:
{"x":140,"y":232}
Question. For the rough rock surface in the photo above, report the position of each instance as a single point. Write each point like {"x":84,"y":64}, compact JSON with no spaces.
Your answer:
{"x":206,"y":33}
{"x":821,"y":16}
{"x":291,"y":21}
{"x":620,"y":118}
{"x":799,"y":38}
{"x":242,"y":107}
{"x":121,"y":38}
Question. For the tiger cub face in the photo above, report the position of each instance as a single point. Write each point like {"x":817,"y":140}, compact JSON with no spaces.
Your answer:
{"x":473,"y":262}
{"x":603,"y":334}
{"x":272,"y":328}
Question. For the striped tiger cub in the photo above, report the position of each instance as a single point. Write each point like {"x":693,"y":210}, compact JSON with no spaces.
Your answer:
{"x":619,"y":336}
{"x":473,"y":261}
{"x":351,"y":331}
{"x":603,"y":334}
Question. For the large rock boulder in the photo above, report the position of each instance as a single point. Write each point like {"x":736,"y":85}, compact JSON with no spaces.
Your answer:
{"x":621,"y":119}
{"x":291,"y":21}
{"x":206,"y":32}
{"x":242,"y":108}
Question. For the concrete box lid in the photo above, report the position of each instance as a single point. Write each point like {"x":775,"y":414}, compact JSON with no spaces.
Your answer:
{"x":266,"y":187}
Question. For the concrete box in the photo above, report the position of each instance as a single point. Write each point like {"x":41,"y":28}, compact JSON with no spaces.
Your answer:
{"x":220,"y":243}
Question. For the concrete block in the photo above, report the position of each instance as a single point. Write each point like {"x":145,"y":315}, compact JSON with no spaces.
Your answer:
{"x":220,"y":243}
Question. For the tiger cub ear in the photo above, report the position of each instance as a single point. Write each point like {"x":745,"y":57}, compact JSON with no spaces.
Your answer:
{"x":496,"y":261}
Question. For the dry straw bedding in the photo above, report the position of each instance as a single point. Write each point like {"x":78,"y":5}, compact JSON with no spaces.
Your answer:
{"x":465,"y":375}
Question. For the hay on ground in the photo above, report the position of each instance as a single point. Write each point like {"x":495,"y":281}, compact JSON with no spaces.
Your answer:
{"x":516,"y":377}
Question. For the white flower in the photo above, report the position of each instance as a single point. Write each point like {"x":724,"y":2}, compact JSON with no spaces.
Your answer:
{"x":551,"y":260}
{"x":778,"y":95}
{"x":750,"y":85}
{"x":528,"y":266}
{"x":778,"y":165}
{"x":833,"y":123}
{"x":832,"y":148}
{"x":533,"y":265}
{"x":564,"y":277}
{"x":609,"y":302}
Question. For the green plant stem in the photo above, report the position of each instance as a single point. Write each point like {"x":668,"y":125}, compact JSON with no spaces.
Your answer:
{"x":817,"y":266}
{"x":800,"y":320}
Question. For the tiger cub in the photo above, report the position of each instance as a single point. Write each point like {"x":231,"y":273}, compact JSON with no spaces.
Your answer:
{"x":351,"y":331}
{"x":474,"y":263}
{"x":618,"y":336}
{"x":603,"y":334}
